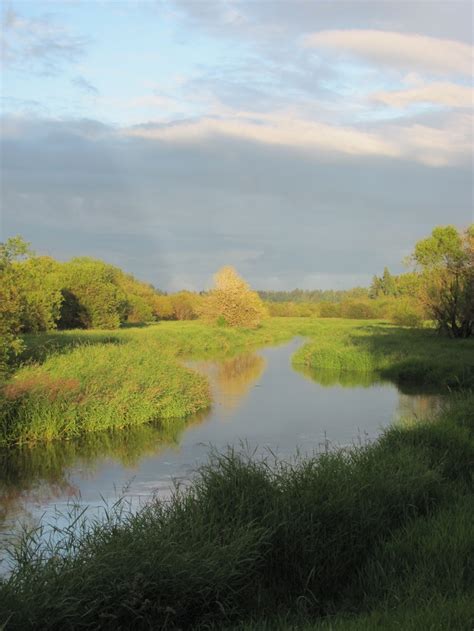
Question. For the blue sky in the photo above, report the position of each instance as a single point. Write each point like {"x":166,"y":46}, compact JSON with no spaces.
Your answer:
{"x":308,"y":144}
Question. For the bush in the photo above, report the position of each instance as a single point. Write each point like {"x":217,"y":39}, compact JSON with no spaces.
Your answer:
{"x":185,"y":305}
{"x":330,"y":310}
{"x":407,"y":313}
{"x":358,"y":310}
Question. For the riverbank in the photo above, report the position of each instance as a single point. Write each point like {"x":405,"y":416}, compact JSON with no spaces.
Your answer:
{"x":75,"y":382}
{"x":374,"y":537}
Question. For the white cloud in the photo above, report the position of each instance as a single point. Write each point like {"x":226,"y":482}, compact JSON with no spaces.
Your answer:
{"x":400,"y":50}
{"x":447,"y":94}
{"x":272,"y":129}
{"x":448,"y":143}
{"x":436,"y":147}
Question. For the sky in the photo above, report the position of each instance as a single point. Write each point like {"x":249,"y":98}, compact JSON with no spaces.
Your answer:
{"x":309,"y":144}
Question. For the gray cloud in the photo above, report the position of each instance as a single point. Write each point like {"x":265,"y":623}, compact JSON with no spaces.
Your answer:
{"x":278,"y":20}
{"x":172,"y":213}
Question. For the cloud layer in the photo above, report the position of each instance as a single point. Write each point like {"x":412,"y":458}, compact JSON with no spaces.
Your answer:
{"x":173,"y":212}
{"x":307,"y":143}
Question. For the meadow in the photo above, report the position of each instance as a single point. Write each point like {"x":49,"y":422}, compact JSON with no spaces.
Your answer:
{"x":71,"y":383}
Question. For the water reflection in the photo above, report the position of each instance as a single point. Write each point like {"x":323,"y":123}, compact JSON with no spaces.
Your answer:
{"x":413,"y":401}
{"x":345,"y":379}
{"x":419,"y":406}
{"x":231,"y":379}
{"x":39,"y":474}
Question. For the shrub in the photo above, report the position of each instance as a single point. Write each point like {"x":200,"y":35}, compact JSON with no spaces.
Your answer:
{"x":407,"y":313}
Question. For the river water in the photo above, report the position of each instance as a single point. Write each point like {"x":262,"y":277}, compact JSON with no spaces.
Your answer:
{"x":259,"y":400}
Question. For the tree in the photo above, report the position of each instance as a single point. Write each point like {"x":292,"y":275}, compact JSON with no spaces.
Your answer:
{"x":388,"y":283}
{"x":384,"y":286}
{"x":376,"y":287}
{"x":185,"y":305}
{"x":93,"y":298}
{"x":163,"y":307}
{"x":232,"y":302}
{"x":11,"y":300}
{"x":38,"y":280}
{"x":446,"y":260}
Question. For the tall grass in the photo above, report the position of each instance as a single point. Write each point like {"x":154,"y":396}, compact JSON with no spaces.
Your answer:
{"x":98,"y":387}
{"x":365,"y":536}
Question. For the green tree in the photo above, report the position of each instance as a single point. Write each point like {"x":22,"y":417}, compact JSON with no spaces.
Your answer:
{"x":11,"y":300}
{"x":446,"y":261}
{"x":388,"y":283}
{"x":138,"y":310}
{"x":92,"y":298}
{"x":376,"y":287}
{"x":38,"y":279}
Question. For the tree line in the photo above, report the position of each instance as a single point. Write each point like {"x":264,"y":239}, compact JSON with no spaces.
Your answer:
{"x":39,"y":293}
{"x":313,"y":296}
{"x":439,"y":287}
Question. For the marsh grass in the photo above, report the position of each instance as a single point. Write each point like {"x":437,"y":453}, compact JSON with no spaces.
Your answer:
{"x":365,"y":536}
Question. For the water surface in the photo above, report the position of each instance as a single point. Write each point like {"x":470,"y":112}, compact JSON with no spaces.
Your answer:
{"x":258,"y":399}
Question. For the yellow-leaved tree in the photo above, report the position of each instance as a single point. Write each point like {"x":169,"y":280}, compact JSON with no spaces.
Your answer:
{"x":232,"y":302}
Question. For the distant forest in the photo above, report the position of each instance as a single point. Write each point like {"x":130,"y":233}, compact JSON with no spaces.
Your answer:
{"x":314,"y":295}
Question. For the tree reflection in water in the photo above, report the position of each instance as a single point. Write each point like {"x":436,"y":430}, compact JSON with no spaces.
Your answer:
{"x":40,"y":473}
{"x":232,"y":379}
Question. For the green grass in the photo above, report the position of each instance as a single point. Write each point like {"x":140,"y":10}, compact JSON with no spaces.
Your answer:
{"x":407,"y":356}
{"x":74,"y":382}
{"x":373,"y":537}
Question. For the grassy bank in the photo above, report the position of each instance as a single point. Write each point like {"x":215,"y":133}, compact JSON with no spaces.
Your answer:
{"x":75,"y":382}
{"x":407,"y":356}
{"x":79,"y":382}
{"x":375,"y":537}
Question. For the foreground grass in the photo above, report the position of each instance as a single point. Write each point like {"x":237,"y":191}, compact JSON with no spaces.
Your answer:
{"x":77,"y":382}
{"x":374,"y":537}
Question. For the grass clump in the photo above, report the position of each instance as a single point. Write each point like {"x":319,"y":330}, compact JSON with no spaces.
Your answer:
{"x":366,"y":536}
